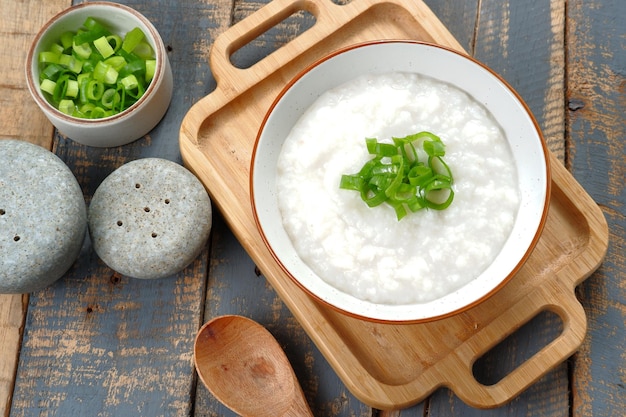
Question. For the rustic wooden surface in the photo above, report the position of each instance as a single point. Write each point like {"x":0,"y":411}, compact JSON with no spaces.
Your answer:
{"x":217,"y":138}
{"x":99,"y":344}
{"x":19,"y":119}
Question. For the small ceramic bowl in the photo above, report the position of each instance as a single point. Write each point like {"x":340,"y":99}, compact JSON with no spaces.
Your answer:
{"x":132,"y":123}
{"x":528,"y":148}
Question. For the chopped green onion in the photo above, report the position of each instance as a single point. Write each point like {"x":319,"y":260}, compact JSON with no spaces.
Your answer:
{"x":67,"y":106}
{"x":67,"y":40}
{"x":105,"y":73}
{"x":94,"y":90}
{"x":395,"y":175}
{"x":132,"y":86}
{"x":103,"y":46}
{"x":117,"y":62}
{"x":70,"y":62}
{"x":110,"y":98}
{"x":94,"y":30}
{"x":71,"y":90}
{"x":86,"y":109}
{"x":136,"y":66}
{"x":93,"y":73}
{"x":115,"y":41}
{"x":52,"y":72}
{"x":132,"y":39}
{"x":82,"y":50}
{"x":48,"y":86}
{"x":61,"y":87}
{"x":49,"y":57}
{"x":150,"y":69}
{"x":99,"y":71}
{"x":98,"y":113}
{"x":83,"y":79}
{"x":130,"y":82}
{"x":92,"y":24}
{"x":144,"y":51}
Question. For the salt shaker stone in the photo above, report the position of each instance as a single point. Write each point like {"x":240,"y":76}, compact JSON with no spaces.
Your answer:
{"x":43,"y":217}
{"x":149,"y":218}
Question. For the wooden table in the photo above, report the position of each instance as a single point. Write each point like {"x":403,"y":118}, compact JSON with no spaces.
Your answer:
{"x":100,"y":344}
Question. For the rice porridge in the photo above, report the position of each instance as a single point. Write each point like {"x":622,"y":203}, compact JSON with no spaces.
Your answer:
{"x":367,"y":252}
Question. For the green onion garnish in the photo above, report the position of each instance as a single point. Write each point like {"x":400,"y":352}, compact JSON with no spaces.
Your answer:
{"x":93,"y":73}
{"x":409,"y":174}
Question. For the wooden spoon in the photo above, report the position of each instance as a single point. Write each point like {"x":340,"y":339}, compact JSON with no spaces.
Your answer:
{"x":244,"y":367}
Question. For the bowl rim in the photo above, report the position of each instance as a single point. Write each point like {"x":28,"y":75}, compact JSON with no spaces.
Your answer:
{"x":31,"y":63}
{"x":462,"y":308}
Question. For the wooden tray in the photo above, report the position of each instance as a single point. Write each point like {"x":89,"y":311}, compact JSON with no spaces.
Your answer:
{"x":387,"y":366}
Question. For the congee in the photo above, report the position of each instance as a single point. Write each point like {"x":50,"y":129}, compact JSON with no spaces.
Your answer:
{"x":366,"y":251}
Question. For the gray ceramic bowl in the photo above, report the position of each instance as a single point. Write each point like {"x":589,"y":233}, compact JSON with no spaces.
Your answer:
{"x":123,"y":127}
{"x":528,"y":148}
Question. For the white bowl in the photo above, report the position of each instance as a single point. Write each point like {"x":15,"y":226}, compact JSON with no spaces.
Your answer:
{"x":132,"y":123}
{"x":522,"y":132}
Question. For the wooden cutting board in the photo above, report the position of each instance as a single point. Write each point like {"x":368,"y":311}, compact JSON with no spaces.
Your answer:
{"x":387,"y":366}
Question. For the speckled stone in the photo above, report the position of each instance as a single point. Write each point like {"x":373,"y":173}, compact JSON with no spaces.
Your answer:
{"x":149,"y":219}
{"x":43,"y":218}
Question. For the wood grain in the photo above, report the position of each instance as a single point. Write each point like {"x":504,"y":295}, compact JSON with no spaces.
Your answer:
{"x":216,"y":141}
{"x":100,"y":343}
{"x":20,"y":23}
{"x":86,"y":338}
{"x":596,"y":128}
{"x":236,"y":286}
{"x":493,"y":26}
{"x":12,"y":313}
{"x":460,"y":17}
{"x":525,"y":45}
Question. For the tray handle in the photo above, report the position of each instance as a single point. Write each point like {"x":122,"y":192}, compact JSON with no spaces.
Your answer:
{"x":329,"y":17}
{"x":554,"y":298}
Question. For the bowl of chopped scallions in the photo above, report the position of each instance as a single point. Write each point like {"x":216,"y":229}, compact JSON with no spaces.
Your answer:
{"x":100,"y":73}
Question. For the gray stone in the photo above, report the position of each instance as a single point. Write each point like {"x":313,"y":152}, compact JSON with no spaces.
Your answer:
{"x":43,"y":218}
{"x":149,"y":219}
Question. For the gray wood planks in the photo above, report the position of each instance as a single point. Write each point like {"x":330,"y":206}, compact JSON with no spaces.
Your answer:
{"x":97,"y":343}
{"x":596,"y":132}
{"x":236,"y":287}
{"x":522,"y":42}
